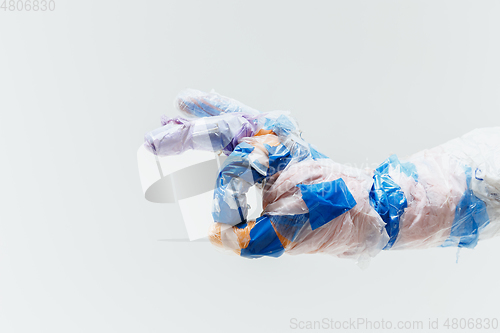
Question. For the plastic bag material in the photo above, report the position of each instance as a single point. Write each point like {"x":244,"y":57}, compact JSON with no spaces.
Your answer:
{"x":445,"y":196}
{"x":199,"y":104}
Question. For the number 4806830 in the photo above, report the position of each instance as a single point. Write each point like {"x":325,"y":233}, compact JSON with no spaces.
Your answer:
{"x":28,"y":5}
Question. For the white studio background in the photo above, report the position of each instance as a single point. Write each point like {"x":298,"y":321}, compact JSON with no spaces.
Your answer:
{"x":81,"y":250}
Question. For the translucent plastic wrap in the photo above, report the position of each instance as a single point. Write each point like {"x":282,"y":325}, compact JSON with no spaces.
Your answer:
{"x":445,"y":196}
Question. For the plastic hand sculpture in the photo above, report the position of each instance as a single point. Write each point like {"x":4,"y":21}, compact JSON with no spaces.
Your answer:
{"x":445,"y":196}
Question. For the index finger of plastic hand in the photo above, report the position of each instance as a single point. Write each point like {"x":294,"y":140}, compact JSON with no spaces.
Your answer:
{"x":201,"y":104}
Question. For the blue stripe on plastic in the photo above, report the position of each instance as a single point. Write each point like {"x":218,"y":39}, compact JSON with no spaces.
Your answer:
{"x":316,"y":154}
{"x":263,"y":240}
{"x":389,"y":202}
{"x":279,"y":157}
{"x":471,"y":217}
{"x":406,"y":168}
{"x":289,"y":225}
{"x":326,"y":201}
{"x":236,"y":166}
{"x":201,"y":108}
{"x":300,"y":152}
{"x":281,"y":125}
{"x":241,"y":225}
{"x":386,"y":196}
